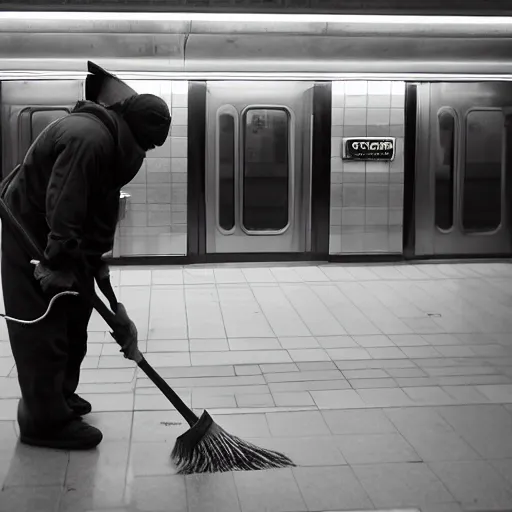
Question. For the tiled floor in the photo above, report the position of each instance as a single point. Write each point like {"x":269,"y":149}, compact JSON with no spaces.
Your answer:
{"x":390,"y":387}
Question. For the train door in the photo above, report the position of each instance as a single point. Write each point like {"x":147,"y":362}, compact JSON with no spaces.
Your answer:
{"x":27,"y":108}
{"x":462,"y":172}
{"x":258,"y":170}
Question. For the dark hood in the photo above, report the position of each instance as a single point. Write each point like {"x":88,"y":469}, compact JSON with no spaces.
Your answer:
{"x":129,"y":155}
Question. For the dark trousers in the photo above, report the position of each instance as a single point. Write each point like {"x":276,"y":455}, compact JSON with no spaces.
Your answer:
{"x":48,"y":354}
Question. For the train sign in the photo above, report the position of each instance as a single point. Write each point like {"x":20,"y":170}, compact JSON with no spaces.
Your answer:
{"x":368,"y":148}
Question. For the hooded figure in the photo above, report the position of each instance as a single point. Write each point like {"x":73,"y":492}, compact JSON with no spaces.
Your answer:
{"x":66,"y":197}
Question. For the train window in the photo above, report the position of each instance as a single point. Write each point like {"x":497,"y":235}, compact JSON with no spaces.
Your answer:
{"x":482,"y":185}
{"x":445,"y":169}
{"x":226,"y":176}
{"x":266,"y":172}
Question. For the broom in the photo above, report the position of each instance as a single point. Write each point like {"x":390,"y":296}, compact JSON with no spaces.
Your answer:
{"x":205,"y":447}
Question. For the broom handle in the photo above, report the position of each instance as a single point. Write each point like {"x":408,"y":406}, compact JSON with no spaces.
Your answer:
{"x":169,"y":393}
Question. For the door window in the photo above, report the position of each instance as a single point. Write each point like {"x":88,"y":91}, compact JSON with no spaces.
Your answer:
{"x":266,"y":169}
{"x":482,"y":179}
{"x":226,"y":171}
{"x":445,"y":170}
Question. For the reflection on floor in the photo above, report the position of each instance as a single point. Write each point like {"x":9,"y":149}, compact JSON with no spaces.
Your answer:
{"x":389,"y":386}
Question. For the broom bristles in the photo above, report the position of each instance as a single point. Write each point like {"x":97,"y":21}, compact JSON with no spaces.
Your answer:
{"x":217,"y":451}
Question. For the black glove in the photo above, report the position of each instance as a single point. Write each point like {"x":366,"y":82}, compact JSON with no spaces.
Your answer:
{"x":53,"y":280}
{"x":126,"y":335}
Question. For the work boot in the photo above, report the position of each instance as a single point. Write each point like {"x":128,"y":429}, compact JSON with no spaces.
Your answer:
{"x":74,"y":434}
{"x":79,"y":406}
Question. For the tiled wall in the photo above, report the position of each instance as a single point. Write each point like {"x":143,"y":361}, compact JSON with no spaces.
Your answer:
{"x":366,"y":197}
{"x":156,"y":219}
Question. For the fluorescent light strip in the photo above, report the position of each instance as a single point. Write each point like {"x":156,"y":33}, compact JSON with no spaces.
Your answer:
{"x":59,"y":75}
{"x":256,"y":18}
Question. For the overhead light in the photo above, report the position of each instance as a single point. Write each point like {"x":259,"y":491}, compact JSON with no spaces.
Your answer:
{"x":254,"y":18}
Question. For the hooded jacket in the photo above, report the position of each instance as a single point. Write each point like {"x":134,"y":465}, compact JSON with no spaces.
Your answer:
{"x":66,"y":192}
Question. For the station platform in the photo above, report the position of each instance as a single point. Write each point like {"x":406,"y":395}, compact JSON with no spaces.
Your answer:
{"x":390,"y":387}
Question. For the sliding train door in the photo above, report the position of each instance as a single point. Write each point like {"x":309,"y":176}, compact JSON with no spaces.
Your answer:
{"x":27,"y":107}
{"x":258,"y":169}
{"x":463,"y":169}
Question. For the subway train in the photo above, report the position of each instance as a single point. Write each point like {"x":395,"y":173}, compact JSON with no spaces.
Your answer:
{"x":293,"y":137}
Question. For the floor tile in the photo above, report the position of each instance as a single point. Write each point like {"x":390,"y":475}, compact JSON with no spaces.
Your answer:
{"x":286,"y":275}
{"x":16,"y":499}
{"x":254,"y":344}
{"x":258,"y":275}
{"x":297,"y":376}
{"x":420,"y":352}
{"x":269,"y":491}
{"x":486,"y":428}
{"x":504,"y":468}
{"x":159,"y":494}
{"x":308,"y":385}
{"x":314,"y":366}
{"x":402,"y":485}
{"x":476,"y":484}
{"x":97,"y":478}
{"x":338,"y":399}
{"x":466,"y":394}
{"x":428,"y":395}
{"x":209,"y":344}
{"x":242,"y":315}
{"x":500,"y":394}
{"x":167,"y":276}
{"x":212,"y":492}
{"x":204,"y":316}
{"x":305,"y":451}
{"x":408,"y":340}
{"x":315,"y":314}
{"x":198,"y":275}
{"x":279,"y":368}
{"x":366,"y":421}
{"x":299,"y":342}
{"x":151,"y":459}
{"x":298,"y":398}
{"x":378,"y":340}
{"x":365,"y":374}
{"x":342,"y":354}
{"x":229,"y":275}
{"x":248,"y":369}
{"x":376,"y":448}
{"x":384,"y":397}
{"x":281,"y":315}
{"x":259,"y":400}
{"x":8,"y":409}
{"x":329,"y":488}
{"x":240,"y":357}
{"x":6,"y":365}
{"x":373,"y":383}
{"x":168,"y":346}
{"x":312,"y":354}
{"x":297,"y":424}
{"x":336,"y":342}
{"x":244,"y":425}
{"x":36,"y":467}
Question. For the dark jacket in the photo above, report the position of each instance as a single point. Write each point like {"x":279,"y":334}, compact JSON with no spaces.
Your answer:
{"x":66,"y":193}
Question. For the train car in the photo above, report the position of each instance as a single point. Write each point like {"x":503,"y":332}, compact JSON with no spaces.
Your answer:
{"x":294,"y":137}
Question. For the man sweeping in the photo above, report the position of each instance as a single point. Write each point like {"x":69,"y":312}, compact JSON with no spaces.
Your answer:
{"x":66,"y":197}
